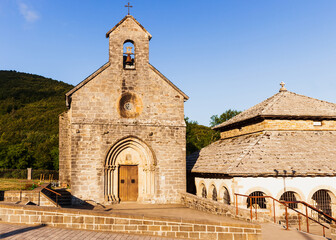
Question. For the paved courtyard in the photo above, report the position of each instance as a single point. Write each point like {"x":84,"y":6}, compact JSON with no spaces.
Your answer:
{"x":20,"y":232}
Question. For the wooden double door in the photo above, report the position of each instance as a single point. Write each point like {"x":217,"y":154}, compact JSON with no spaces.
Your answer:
{"x":128,"y":183}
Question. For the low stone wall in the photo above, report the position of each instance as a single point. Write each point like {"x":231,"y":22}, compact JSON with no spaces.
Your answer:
{"x":218,"y":208}
{"x":333,"y":231}
{"x":137,"y":224}
{"x":36,"y":197}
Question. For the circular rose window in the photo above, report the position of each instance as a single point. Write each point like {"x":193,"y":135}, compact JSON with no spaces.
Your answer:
{"x":130,"y":105}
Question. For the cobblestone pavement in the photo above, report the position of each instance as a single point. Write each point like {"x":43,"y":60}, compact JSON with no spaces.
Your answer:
{"x":20,"y":232}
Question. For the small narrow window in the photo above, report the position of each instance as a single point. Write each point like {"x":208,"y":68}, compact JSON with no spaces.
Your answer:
{"x":204,"y":191}
{"x":226,"y":196}
{"x":213,"y":192}
{"x":129,"y":55}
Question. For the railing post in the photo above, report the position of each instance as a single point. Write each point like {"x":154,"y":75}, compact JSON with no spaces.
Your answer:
{"x":236,"y":204}
{"x":299,"y":222}
{"x":286,"y":218}
{"x":56,"y":200}
{"x":251,"y":207}
{"x":323,"y":231}
{"x":307,"y":219}
{"x":274,"y":210}
{"x":256,"y":209}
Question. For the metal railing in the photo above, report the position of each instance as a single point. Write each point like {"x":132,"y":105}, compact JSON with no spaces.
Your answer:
{"x":285,"y":204}
{"x":52,"y":191}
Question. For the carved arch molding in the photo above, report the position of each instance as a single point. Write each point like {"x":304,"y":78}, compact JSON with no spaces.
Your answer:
{"x":130,"y":151}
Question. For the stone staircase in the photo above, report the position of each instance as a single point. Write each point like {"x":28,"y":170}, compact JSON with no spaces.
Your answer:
{"x":64,"y":200}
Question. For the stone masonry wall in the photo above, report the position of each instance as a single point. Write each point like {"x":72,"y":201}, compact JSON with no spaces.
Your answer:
{"x":102,"y":221}
{"x":64,"y":149}
{"x":92,"y":145}
{"x":288,"y":125}
{"x":333,"y":231}
{"x":35,"y":197}
{"x":218,"y":208}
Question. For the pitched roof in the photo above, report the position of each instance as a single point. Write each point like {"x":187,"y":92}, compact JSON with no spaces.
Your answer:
{"x":85,"y":81}
{"x":106,"y":65}
{"x":286,"y":104}
{"x":122,"y":20}
{"x":270,"y":153}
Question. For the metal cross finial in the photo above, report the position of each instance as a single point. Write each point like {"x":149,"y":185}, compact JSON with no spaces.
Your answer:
{"x":128,"y":6}
{"x":282,"y":89}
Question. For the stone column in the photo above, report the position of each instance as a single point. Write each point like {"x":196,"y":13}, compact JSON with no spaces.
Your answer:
{"x":29,"y":173}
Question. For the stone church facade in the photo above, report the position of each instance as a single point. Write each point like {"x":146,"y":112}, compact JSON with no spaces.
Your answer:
{"x":123,"y":135}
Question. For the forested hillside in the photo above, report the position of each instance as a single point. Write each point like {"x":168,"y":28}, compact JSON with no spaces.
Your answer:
{"x":29,"y":109}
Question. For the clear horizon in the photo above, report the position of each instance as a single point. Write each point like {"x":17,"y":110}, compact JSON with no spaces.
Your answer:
{"x":222,"y":54}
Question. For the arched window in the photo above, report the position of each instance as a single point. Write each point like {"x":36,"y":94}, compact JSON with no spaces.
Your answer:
{"x":322,"y":201}
{"x":204,"y":191}
{"x":213,"y":192}
{"x":226,"y":196}
{"x":256,"y":202}
{"x":129,"y":55}
{"x":289,"y":196}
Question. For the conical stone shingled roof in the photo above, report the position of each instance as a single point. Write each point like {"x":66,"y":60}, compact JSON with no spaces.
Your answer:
{"x":286,"y":104}
{"x":271,"y":153}
{"x":274,"y":152}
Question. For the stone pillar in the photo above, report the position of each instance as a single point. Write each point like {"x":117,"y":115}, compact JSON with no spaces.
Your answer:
{"x":29,"y":173}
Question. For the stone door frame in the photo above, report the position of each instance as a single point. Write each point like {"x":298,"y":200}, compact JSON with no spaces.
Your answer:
{"x":146,"y":169}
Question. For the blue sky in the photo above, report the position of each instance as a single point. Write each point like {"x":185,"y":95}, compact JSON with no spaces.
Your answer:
{"x":223,"y":54}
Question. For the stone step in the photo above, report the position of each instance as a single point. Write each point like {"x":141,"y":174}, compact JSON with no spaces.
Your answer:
{"x":63,"y":200}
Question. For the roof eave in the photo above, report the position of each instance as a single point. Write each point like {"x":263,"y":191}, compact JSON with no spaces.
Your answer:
{"x":247,"y":121}
{"x":226,"y":175}
{"x":85,"y":81}
{"x":169,"y":82}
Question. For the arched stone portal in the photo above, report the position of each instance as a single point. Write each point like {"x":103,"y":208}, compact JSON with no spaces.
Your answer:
{"x":133,"y":153}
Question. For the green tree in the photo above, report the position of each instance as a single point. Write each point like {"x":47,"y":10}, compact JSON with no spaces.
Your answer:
{"x":17,"y":156}
{"x":215,"y":119}
{"x":198,"y":136}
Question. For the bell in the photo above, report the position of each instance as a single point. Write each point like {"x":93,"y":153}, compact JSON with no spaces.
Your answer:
{"x":128,"y":60}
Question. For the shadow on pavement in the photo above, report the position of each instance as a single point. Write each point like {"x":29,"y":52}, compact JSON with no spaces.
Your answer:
{"x":21,"y":230}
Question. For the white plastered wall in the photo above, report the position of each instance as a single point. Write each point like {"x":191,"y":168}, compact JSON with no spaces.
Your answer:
{"x":304,"y":187}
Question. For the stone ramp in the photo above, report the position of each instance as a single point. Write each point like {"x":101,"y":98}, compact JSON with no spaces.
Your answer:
{"x":167,"y":210}
{"x":272,"y":231}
